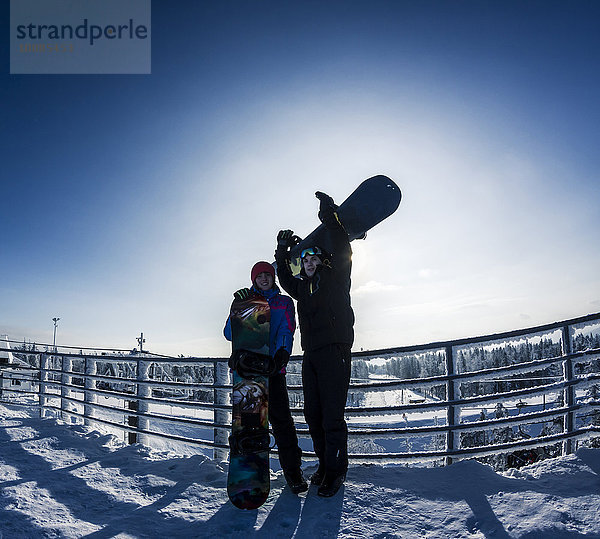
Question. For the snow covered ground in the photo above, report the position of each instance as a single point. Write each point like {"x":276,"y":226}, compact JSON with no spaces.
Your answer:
{"x":71,"y":481}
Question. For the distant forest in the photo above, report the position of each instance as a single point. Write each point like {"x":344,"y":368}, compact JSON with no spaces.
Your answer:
{"x":478,"y":358}
{"x":407,"y":366}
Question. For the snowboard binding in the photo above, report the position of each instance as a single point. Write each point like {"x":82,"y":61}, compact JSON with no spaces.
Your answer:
{"x":249,"y":441}
{"x":249,"y":364}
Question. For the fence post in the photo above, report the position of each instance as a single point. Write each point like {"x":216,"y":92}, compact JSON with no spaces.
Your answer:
{"x":90,"y":386}
{"x":140,"y":405}
{"x":144,"y":390}
{"x":66,"y":366}
{"x":43,"y":385}
{"x":220,"y":417}
{"x":452,"y":440}
{"x":569,"y":391}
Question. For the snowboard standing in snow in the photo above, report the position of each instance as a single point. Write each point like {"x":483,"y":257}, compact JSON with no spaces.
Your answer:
{"x":371,"y":202}
{"x":248,"y":480}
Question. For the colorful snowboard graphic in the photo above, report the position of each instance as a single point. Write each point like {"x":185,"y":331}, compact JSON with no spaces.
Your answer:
{"x":248,"y":480}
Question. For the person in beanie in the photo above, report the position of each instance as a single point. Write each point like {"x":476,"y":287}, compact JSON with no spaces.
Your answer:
{"x":281,"y":338}
{"x":327,"y":333}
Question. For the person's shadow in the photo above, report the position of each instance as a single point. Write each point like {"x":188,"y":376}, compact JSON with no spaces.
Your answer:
{"x":291,"y":516}
{"x":281,"y":521}
{"x":283,"y":517}
{"x":326,"y":511}
{"x":228,"y":521}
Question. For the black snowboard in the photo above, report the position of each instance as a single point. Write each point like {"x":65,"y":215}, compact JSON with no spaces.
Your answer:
{"x":370,"y":203}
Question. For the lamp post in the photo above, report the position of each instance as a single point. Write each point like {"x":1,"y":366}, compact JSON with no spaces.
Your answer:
{"x":55,"y":320}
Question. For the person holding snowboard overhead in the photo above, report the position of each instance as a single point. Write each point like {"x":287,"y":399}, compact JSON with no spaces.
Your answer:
{"x":327,"y":333}
{"x":281,"y":338}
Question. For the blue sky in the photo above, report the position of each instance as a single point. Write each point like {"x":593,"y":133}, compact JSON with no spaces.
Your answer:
{"x":139,"y":202}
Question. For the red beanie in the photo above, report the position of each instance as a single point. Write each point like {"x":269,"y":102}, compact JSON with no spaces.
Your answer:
{"x":261,"y":267}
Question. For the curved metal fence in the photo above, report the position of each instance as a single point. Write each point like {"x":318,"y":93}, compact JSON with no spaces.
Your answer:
{"x":506,"y":398}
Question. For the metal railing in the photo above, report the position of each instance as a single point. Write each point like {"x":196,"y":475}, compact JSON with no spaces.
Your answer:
{"x":188,"y":399}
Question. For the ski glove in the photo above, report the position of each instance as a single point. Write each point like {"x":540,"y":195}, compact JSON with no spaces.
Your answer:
{"x":325,"y":200}
{"x":282,"y":356}
{"x":286,"y":239}
{"x":327,"y":209}
{"x":242,"y":293}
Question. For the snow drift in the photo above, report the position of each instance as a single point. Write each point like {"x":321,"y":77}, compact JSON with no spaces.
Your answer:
{"x":71,"y":481}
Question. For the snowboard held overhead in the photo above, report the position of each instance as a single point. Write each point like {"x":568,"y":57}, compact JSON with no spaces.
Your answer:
{"x":372,"y":201}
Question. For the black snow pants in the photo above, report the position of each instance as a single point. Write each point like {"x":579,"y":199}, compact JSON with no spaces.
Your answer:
{"x":282,"y":424}
{"x":325,"y":378}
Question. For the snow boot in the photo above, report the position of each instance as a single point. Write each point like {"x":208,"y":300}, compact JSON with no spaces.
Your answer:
{"x":296,"y":481}
{"x":331,"y":484}
{"x":317,"y":477}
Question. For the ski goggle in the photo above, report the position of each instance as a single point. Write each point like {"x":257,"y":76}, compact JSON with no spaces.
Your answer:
{"x":310,"y":251}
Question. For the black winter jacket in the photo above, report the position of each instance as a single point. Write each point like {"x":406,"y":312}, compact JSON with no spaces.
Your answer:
{"x":324,"y":310}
